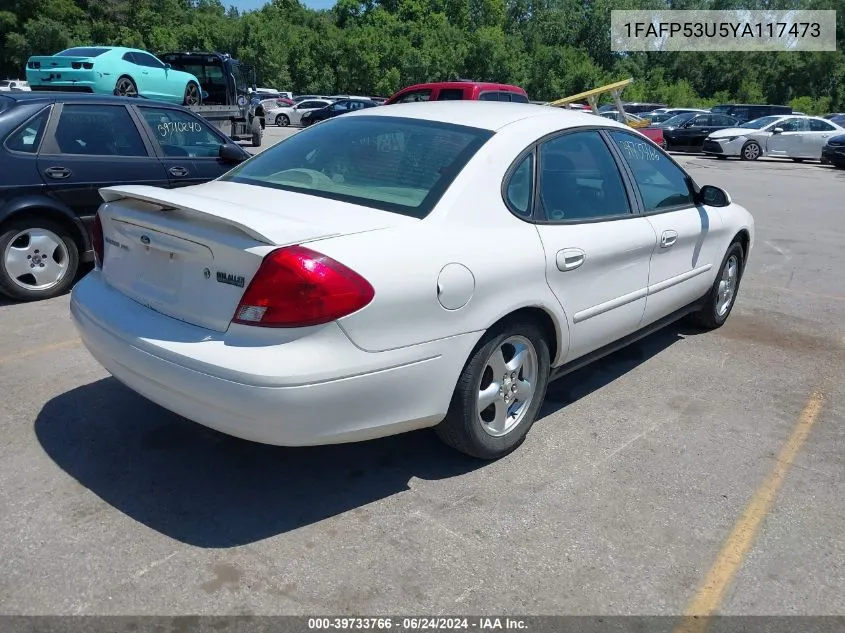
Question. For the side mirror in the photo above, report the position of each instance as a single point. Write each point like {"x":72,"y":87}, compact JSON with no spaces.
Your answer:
{"x":167,"y":66}
{"x":714,"y":196}
{"x":231,"y":153}
{"x":777,"y":130}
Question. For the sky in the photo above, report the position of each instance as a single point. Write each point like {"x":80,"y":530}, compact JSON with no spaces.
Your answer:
{"x":246,"y":5}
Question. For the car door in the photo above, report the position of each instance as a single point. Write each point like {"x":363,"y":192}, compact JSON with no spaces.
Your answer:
{"x":88,"y":146}
{"x":816,"y":138}
{"x":156,"y":78}
{"x":788,"y":141}
{"x":597,"y":249}
{"x":698,"y":129}
{"x":186,"y":144}
{"x":687,"y":234}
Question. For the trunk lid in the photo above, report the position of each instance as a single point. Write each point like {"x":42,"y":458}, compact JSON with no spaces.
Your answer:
{"x":190,"y":253}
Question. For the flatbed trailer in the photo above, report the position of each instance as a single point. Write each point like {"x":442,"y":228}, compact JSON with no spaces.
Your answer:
{"x":233,"y":122}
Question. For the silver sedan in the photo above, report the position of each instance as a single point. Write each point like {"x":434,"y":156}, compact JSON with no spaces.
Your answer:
{"x":784,"y":136}
{"x":292,"y":115}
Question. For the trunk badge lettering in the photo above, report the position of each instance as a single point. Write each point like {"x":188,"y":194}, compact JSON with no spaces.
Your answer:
{"x":229,"y":278}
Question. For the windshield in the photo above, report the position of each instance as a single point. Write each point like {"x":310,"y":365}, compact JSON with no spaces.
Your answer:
{"x":390,"y":163}
{"x":82,"y":52}
{"x":762,"y":122}
{"x":678,"y":119}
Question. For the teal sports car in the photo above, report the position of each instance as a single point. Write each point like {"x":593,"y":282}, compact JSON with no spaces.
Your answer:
{"x":113,"y":70}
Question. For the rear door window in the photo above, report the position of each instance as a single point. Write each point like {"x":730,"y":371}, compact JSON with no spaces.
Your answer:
{"x":98,"y":130}
{"x":517,"y":97}
{"x":489,"y":96}
{"x":451,"y":94}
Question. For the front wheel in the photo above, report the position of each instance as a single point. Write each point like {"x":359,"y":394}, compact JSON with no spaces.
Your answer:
{"x":192,"y":94}
{"x":39,"y":260}
{"x":282,"y":120}
{"x":499,"y":392}
{"x":751,"y":151}
{"x":722,"y":296}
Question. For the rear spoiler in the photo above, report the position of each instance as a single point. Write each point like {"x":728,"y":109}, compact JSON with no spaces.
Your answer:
{"x":263,"y":226}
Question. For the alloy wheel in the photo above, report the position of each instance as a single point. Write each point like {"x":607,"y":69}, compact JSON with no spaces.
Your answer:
{"x":36,"y":259}
{"x":507,"y":386}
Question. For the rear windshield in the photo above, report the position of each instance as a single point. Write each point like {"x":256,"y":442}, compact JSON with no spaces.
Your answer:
{"x":82,"y":52}
{"x":390,"y":163}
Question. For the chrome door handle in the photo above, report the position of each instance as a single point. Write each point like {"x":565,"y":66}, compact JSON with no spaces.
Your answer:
{"x":668,"y":238}
{"x":570,"y":259}
{"x":177,"y":171}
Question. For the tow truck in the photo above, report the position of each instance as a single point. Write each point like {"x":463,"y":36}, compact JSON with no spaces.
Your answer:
{"x":226,"y":85}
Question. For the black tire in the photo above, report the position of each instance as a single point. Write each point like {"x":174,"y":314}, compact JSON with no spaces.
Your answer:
{"x":749,"y":153}
{"x":798,"y":160}
{"x":462,"y":427}
{"x":257,"y":132}
{"x":721,"y":157}
{"x":282,"y":120}
{"x":193,"y":95}
{"x":9,"y":233}
{"x":709,"y":317}
{"x":125,"y":86}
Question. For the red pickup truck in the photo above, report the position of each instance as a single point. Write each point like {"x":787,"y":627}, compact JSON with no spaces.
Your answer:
{"x":459,"y":91}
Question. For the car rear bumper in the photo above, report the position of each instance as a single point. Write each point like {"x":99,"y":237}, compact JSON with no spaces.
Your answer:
{"x":367,"y":395}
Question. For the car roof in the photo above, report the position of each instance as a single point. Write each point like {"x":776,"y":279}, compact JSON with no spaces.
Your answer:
{"x":81,"y":97}
{"x":488,"y":115}
{"x":462,"y":84}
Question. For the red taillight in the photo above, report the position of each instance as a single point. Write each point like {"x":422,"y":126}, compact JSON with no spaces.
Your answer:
{"x":97,"y":242}
{"x":87,"y":65}
{"x":296,"y":287}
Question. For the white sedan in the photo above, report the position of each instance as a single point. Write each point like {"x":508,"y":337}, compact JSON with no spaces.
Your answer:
{"x":292,"y":115}
{"x":783,"y":136}
{"x":350,"y":282}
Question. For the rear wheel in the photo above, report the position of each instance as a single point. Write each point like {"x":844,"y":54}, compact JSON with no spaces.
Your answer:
{"x":39,"y":259}
{"x":282,"y":120}
{"x":798,"y":160}
{"x":125,"y":87}
{"x":499,"y":392}
{"x":751,"y":151}
{"x":192,"y":94}
{"x":721,"y":157}
{"x":257,"y":132}
{"x":722,"y":296}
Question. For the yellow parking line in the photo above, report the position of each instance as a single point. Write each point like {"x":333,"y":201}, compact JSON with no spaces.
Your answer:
{"x":40,"y":350}
{"x":712,"y":591}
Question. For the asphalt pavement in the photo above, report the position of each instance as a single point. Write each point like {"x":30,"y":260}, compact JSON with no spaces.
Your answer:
{"x":699,"y":469}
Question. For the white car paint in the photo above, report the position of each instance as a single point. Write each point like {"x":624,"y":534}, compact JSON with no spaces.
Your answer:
{"x":294,"y":113}
{"x":805,"y":143}
{"x":165,"y":329}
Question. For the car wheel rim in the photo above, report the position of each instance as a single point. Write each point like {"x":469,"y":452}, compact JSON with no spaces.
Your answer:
{"x":192,"y":96}
{"x":752,"y":151}
{"x":727,"y":285}
{"x":36,"y":259}
{"x":125,"y":88}
{"x":507,"y":386}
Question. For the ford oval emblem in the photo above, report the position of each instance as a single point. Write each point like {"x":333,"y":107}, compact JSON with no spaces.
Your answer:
{"x":145,"y":240}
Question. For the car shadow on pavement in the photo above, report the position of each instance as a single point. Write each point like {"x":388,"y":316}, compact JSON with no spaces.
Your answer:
{"x":211,"y":490}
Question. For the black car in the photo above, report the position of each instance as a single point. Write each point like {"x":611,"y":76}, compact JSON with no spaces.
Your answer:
{"x":58,"y":149}
{"x":686,"y":132}
{"x":833,"y":152}
{"x":743,"y":112}
{"x":335,"y":109}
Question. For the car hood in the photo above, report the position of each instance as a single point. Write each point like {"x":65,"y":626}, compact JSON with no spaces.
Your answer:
{"x":732,"y":131}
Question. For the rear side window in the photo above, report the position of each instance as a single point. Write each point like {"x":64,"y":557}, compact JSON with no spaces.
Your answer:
{"x":98,"y":130}
{"x":394,"y":164}
{"x":521,"y":187}
{"x":489,"y":96}
{"x":517,"y":97}
{"x":413,"y":97}
{"x":27,"y":138}
{"x":817,"y":125}
{"x":145,"y":59}
{"x":451,"y":94}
